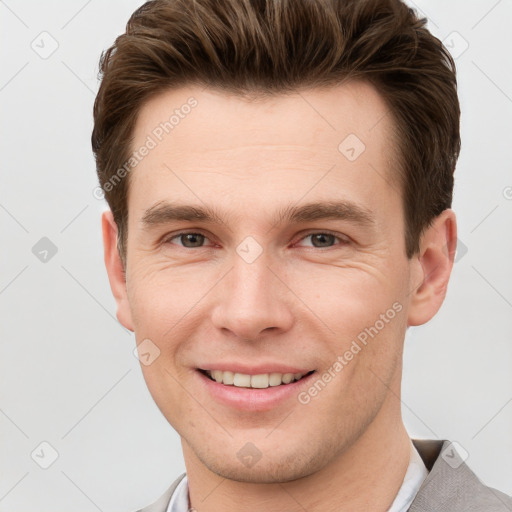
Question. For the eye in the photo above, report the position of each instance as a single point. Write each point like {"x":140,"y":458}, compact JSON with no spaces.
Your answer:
{"x":194,"y":240}
{"x":321,"y":239}
{"x":189,"y":240}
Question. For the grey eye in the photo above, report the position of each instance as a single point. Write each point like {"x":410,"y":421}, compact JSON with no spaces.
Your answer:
{"x":322,"y":239}
{"x":191,"y":240}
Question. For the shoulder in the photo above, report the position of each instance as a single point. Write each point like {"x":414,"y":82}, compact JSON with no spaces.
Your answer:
{"x":451,"y":485}
{"x":162,"y":503}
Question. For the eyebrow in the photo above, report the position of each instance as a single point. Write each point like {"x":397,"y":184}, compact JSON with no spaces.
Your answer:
{"x":164,"y":212}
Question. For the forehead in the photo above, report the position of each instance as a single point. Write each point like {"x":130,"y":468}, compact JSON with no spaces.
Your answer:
{"x":285,"y":142}
{"x":326,"y":114}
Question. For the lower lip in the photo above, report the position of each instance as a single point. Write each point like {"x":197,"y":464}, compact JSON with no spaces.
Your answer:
{"x":252,"y":399}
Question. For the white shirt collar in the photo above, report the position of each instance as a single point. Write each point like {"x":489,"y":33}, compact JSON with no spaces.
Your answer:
{"x":414,"y":477}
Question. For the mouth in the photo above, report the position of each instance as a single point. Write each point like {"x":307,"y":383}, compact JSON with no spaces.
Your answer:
{"x":260,"y":381}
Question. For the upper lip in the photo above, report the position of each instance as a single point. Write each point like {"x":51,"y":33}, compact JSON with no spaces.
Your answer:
{"x":254,"y":369}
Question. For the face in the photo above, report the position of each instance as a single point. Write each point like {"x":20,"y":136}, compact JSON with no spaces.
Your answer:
{"x":293,"y":268}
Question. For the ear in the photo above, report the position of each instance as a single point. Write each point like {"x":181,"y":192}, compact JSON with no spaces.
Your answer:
{"x":431,"y":268}
{"x":115,"y":269}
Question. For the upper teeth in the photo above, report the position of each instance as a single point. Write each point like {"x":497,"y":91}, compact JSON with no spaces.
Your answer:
{"x":243,"y":380}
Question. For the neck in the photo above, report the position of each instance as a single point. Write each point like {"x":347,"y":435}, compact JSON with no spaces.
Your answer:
{"x":367,"y":476}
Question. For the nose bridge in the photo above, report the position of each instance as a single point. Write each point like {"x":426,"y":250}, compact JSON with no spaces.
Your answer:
{"x":250,"y":301}
{"x":251,"y":279}
{"x":250,"y":269}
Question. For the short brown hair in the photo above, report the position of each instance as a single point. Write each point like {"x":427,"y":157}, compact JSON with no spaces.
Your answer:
{"x":277,"y":46}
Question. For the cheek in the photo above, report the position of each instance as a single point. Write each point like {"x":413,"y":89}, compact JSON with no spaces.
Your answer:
{"x":341,"y":299}
{"x":363,"y":319}
{"x":349,"y":298}
{"x":166,"y":309}
{"x":160,"y":296}
{"x":161,"y":381}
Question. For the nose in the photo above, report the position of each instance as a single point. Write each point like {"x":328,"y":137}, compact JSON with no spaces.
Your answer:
{"x":252,"y":301}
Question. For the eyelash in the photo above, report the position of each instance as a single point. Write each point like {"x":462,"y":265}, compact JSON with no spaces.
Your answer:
{"x":344,"y":240}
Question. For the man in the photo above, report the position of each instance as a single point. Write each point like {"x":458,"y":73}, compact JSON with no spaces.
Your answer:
{"x":280,"y":176}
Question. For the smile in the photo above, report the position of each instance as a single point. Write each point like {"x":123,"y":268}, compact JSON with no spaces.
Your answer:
{"x":260,"y":381}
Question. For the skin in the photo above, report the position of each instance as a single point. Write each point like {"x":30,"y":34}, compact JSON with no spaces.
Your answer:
{"x":300,"y":302}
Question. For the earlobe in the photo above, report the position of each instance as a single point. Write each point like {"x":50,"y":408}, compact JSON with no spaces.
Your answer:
{"x":115,"y":271}
{"x":431,"y":268}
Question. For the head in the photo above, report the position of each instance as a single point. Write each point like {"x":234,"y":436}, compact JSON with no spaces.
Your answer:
{"x":280,"y":180}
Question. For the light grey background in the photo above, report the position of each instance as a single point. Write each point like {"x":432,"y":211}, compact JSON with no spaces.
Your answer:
{"x":68,"y":374}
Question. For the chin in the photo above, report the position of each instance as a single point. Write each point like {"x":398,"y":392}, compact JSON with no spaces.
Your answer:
{"x":268,"y":472}
{"x":269,"y":465}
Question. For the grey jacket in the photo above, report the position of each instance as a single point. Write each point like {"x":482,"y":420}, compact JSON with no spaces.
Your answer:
{"x":449,"y":487}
